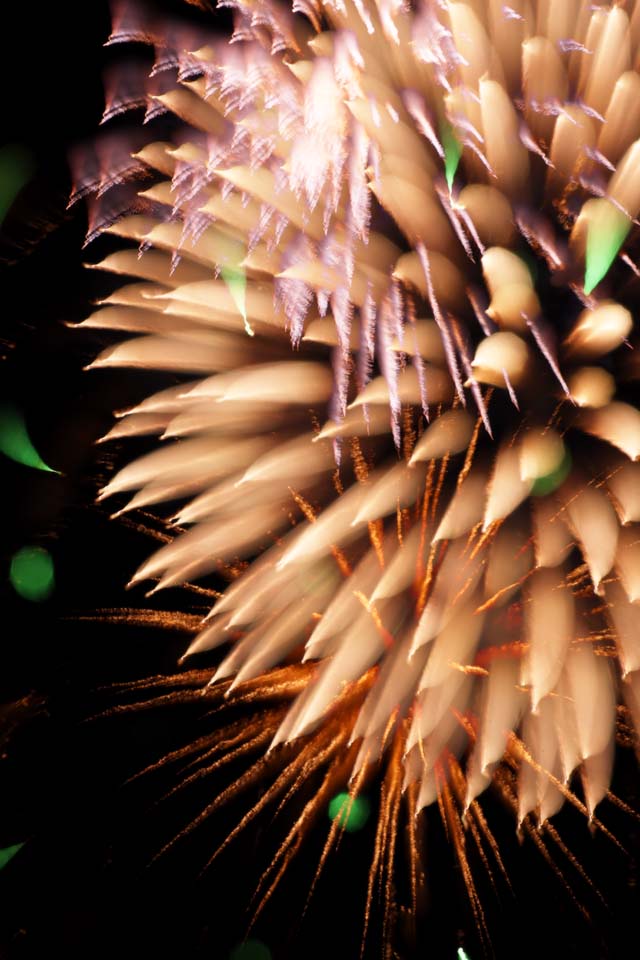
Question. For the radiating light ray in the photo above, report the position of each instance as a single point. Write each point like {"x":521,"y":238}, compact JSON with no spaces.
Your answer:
{"x":457,"y":833}
{"x":307,"y":762}
{"x":133,"y":616}
{"x":382,"y":862}
{"x":336,"y":831}
{"x":476,"y":811}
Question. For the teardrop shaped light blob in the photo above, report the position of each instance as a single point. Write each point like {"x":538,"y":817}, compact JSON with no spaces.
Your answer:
{"x":15,"y":442}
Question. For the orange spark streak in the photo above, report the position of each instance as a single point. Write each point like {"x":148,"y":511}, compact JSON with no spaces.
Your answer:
{"x":500,"y":593}
{"x":336,"y":831}
{"x":471,"y":449}
{"x":428,"y":486}
{"x":376,"y":534}
{"x":387,"y":637}
{"x":441,"y":475}
{"x":459,"y":783}
{"x":459,"y":842}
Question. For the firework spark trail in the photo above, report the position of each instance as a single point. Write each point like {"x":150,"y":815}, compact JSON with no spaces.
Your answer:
{"x":259,"y":265}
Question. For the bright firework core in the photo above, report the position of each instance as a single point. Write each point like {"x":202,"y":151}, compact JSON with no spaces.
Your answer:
{"x":390,"y":251}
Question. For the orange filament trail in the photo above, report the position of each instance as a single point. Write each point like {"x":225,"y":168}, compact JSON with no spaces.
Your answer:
{"x":399,"y":524}
{"x":162,"y":619}
{"x":441,"y":475}
{"x":458,"y":781}
{"x":336,"y":830}
{"x":457,"y":833}
{"x":376,"y":534}
{"x":304,"y":505}
{"x":573,"y":860}
{"x":300,"y":767}
{"x":500,"y":593}
{"x":360,"y":466}
{"x":485,"y":538}
{"x":428,"y":487}
{"x":471,"y":449}
{"x":476,"y":811}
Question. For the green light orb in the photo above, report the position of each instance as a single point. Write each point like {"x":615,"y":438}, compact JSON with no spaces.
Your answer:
{"x":547,"y":484}
{"x":250,"y":950}
{"x":351,"y":812}
{"x":31,"y":573}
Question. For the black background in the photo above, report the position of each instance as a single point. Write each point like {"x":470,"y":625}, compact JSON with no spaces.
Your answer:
{"x":83,"y":884}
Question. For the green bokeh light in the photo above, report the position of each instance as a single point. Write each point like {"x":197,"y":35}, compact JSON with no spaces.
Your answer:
{"x":605,"y":236}
{"x":236,"y":280}
{"x":462,"y":954}
{"x":15,"y":442}
{"x":530,"y":263}
{"x":351,"y":813}
{"x":547,"y":484}
{"x":32,"y":574}
{"x":9,"y":853}
{"x":250,"y":950}
{"x":16,"y":168}
{"x":452,"y":151}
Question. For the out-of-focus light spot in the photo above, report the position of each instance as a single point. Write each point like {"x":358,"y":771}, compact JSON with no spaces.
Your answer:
{"x":547,"y":484}
{"x":16,"y":168}
{"x":462,"y":954}
{"x":236,"y":280}
{"x":452,"y":152}
{"x":531,"y":264}
{"x":351,"y":812}
{"x":15,"y":442}
{"x":32,"y":574}
{"x":607,"y":231}
{"x":9,"y":853}
{"x":251,"y":950}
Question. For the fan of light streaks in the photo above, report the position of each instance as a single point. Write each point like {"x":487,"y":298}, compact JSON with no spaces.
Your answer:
{"x":390,"y":251}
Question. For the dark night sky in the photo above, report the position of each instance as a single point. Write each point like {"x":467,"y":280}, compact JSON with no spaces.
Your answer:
{"x":82,"y":886}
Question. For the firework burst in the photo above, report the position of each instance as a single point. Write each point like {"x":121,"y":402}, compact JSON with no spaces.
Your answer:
{"x":390,"y":251}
